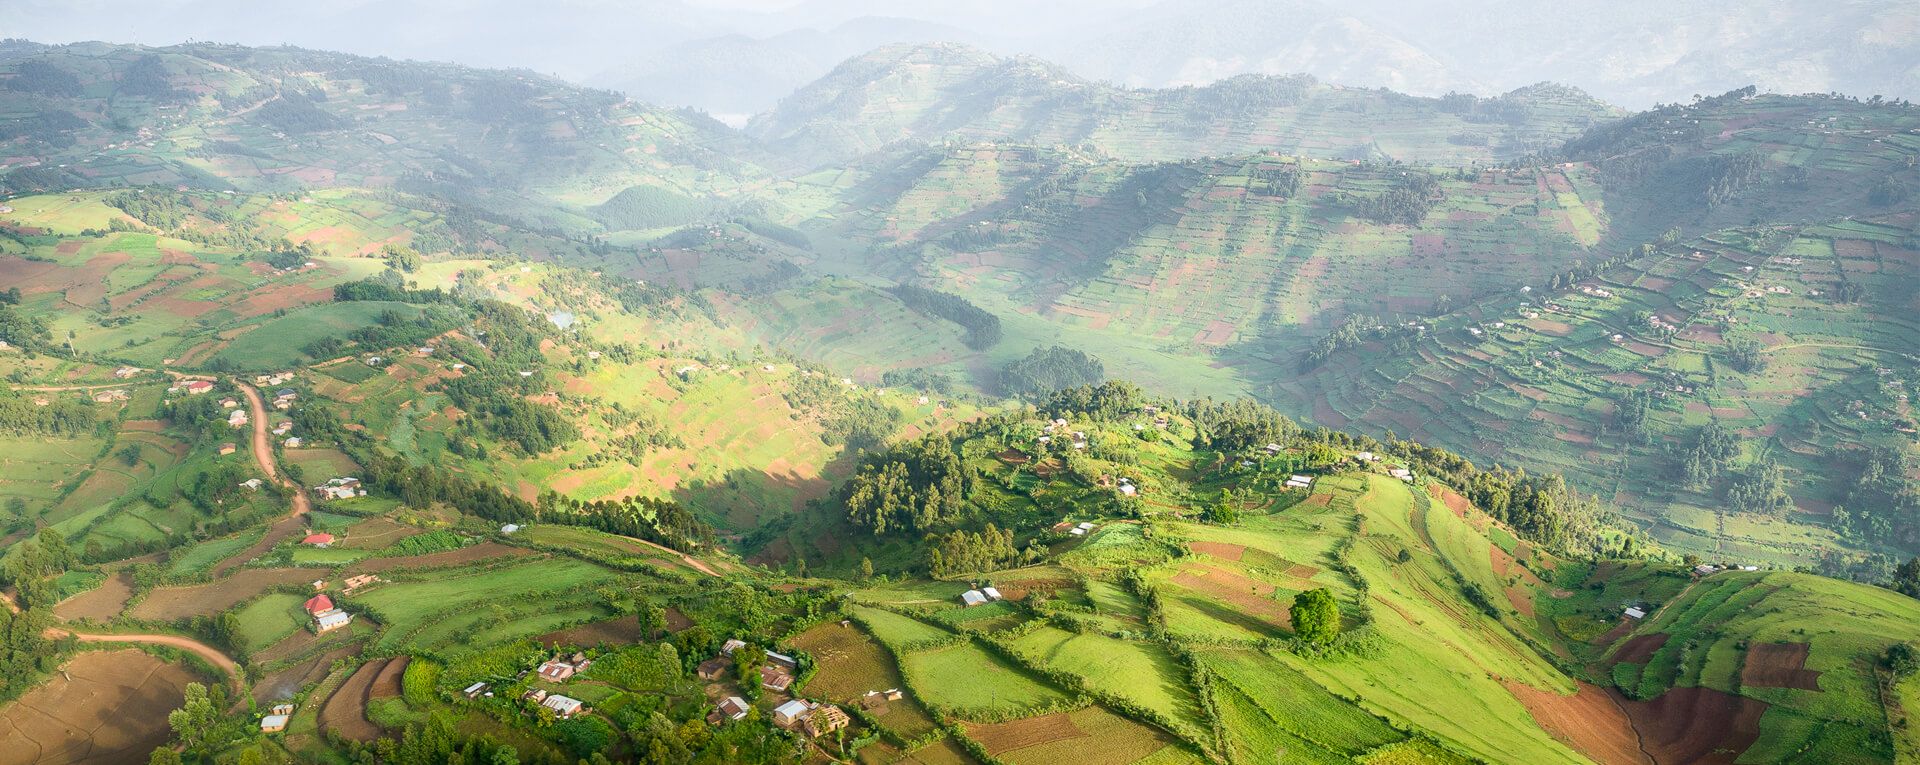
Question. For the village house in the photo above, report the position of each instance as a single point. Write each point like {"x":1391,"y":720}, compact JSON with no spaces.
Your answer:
{"x":274,"y":723}
{"x":713,"y":668}
{"x":973,"y":598}
{"x":318,"y":604}
{"x":331,"y":619}
{"x":282,"y":427}
{"x":730,"y":708}
{"x":229,"y":403}
{"x":340,"y":488}
{"x":1402,"y":474}
{"x":783,"y":660}
{"x":294,"y":442}
{"x":563,"y":707}
{"x":125,"y":372}
{"x":792,"y":713}
{"x":253,"y":483}
{"x":474,"y":691}
{"x":110,"y":396}
{"x":774,"y":677}
{"x":732,"y":644}
{"x":558,"y":670}
{"x":196,"y":387}
{"x":237,"y":418}
{"x":226,"y":449}
{"x":1299,"y":482}
{"x":318,"y":539}
{"x":509,"y":528}
{"x":1635,"y":613}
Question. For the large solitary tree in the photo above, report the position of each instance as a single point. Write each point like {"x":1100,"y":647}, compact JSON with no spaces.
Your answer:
{"x":1316,"y":616}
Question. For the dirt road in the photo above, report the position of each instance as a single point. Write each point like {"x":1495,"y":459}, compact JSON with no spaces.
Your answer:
{"x":263,"y":449}
{"x":197,"y":648}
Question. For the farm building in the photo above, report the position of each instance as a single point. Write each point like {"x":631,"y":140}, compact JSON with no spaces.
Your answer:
{"x":331,"y":620}
{"x":1401,"y":473}
{"x":339,"y":488}
{"x":973,"y":598}
{"x":1635,"y":613}
{"x":991,"y":593}
{"x":274,"y":723}
{"x":792,"y":712}
{"x":783,"y":660}
{"x":563,"y":706}
{"x":318,"y":539}
{"x":775,"y":678}
{"x":1299,"y":482}
{"x":509,"y":528}
{"x":474,"y":691}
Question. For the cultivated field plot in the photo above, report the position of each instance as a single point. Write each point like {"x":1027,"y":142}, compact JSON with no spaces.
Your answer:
{"x":477,"y":608}
{"x":851,"y":664}
{"x":107,"y":707}
{"x":966,"y":678}
{"x":1142,"y":673}
{"x":1092,"y":734}
{"x":170,"y":603}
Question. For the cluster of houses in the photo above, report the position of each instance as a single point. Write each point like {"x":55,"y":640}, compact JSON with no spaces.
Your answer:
{"x":776,"y":674}
{"x":811,"y":718}
{"x":558,"y":670}
{"x":112,"y":395}
{"x":980,"y":597}
{"x":1401,"y":473}
{"x":326,"y":617}
{"x":340,"y":488}
{"x":1060,"y":426}
{"x":283,"y":398}
{"x":555,"y":670}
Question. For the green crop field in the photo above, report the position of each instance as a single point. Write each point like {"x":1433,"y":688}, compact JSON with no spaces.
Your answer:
{"x":968,"y":679}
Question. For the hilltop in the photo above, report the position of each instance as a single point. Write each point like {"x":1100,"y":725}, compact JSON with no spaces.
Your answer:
{"x":939,"y":92}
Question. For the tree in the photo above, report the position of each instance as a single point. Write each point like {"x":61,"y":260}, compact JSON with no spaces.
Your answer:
{"x":1906,"y":578}
{"x":866,"y":569}
{"x":195,"y":718}
{"x":1316,"y":617}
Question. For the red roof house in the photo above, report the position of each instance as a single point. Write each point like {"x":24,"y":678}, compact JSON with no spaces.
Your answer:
{"x":197,"y":386}
{"x":319,"y":604}
{"x":318,"y":540}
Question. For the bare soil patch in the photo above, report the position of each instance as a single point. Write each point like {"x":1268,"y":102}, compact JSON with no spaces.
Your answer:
{"x":345,"y":712}
{"x":386,"y":685}
{"x":624,"y":630}
{"x":107,"y":707}
{"x":1641,"y":648}
{"x":287,"y":681}
{"x":1589,"y":721}
{"x":168,"y":603}
{"x":100,"y":603}
{"x":999,"y":738}
{"x":1221,"y":550}
{"x":1779,"y":665}
{"x":1696,"y":725}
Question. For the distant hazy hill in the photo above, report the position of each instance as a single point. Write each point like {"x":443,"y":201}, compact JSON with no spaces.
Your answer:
{"x":929,"y":93}
{"x":274,"y":119}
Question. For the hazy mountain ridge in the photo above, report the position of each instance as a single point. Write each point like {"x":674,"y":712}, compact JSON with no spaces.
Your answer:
{"x":929,"y":93}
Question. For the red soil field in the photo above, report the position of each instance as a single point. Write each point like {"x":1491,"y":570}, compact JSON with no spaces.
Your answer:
{"x":623,"y":630}
{"x":1779,"y":665}
{"x":1249,"y":596}
{"x":345,"y":712}
{"x":1697,"y":725}
{"x":1591,"y":722}
{"x":100,"y":603}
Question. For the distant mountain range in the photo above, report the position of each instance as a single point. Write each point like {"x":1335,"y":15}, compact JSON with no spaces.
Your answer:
{"x":1633,"y":53}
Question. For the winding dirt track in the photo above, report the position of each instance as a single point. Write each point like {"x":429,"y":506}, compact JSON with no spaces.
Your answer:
{"x":212,"y":655}
{"x":263,"y":456}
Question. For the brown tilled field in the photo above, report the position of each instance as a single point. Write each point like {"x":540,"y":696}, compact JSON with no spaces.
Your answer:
{"x":100,"y":603}
{"x":1250,"y":596}
{"x":167,"y":603}
{"x":1000,"y":738}
{"x":1641,"y":648}
{"x":1696,"y":725}
{"x":1221,"y":550}
{"x":624,"y":630}
{"x":386,"y":685}
{"x":345,"y":712}
{"x":1779,"y":665}
{"x":286,"y":681}
{"x":1589,"y":721}
{"x":376,"y":533}
{"x":106,"y":707}
{"x":851,"y":664}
